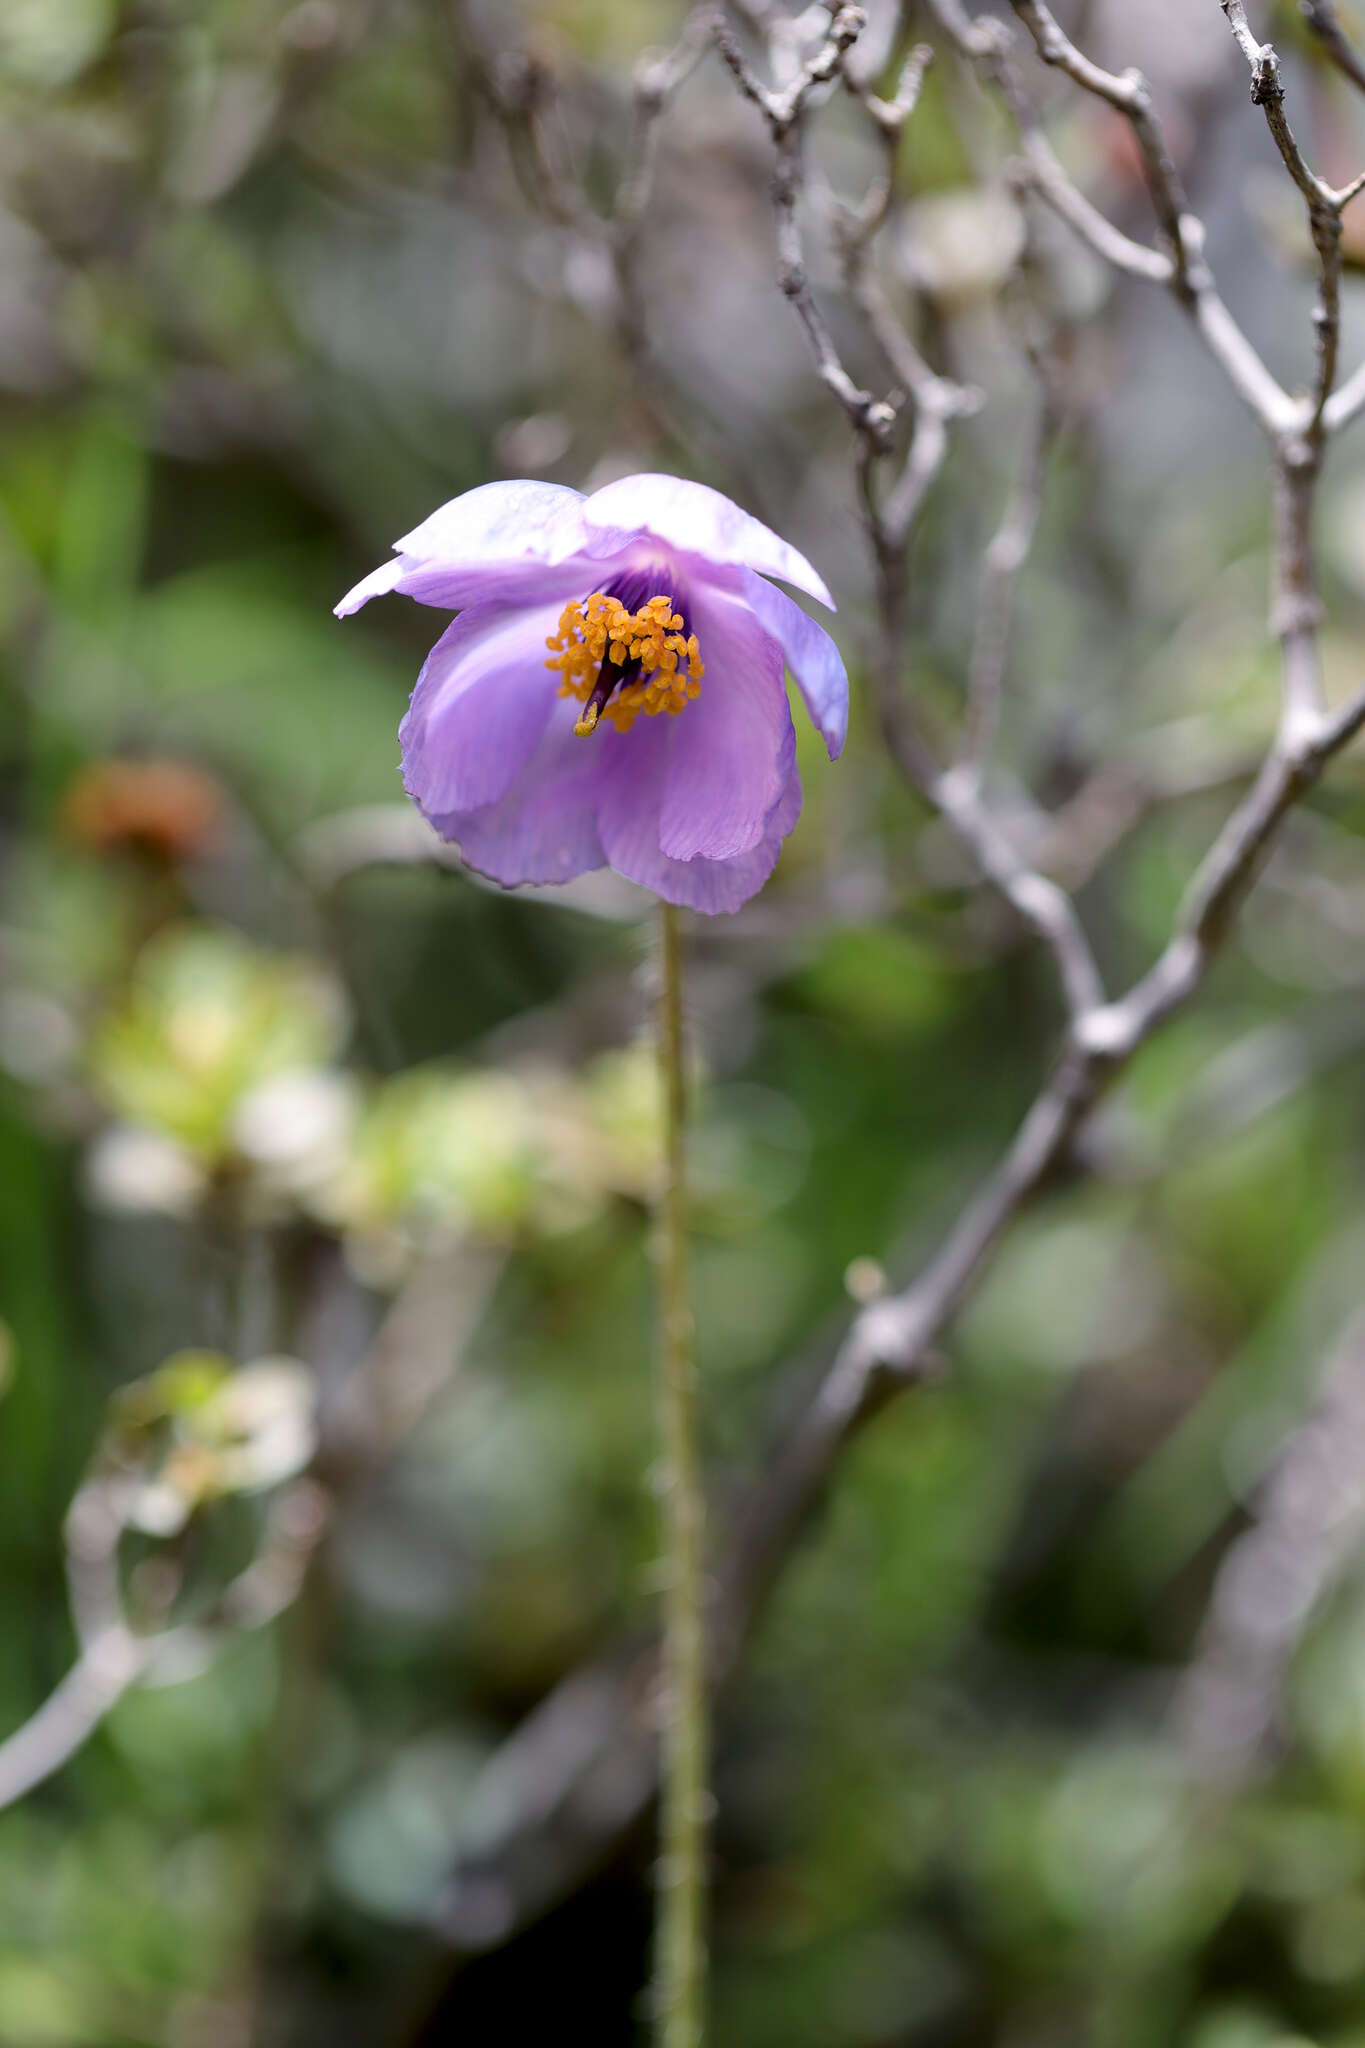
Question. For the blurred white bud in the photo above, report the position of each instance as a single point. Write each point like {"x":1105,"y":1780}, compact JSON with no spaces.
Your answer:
{"x":161,"y":1507}
{"x":961,"y":246}
{"x":263,"y":1418}
{"x":297,"y":1127}
{"x":141,"y":1172}
{"x":864,"y":1280}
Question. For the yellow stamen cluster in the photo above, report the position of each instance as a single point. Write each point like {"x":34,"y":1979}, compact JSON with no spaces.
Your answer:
{"x":600,"y":628}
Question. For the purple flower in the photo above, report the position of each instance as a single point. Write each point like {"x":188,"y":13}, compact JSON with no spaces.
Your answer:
{"x":611,"y":693}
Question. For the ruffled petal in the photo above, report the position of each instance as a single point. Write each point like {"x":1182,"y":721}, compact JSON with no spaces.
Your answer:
{"x":485,"y":546}
{"x":543,"y":829}
{"x":452,"y":589}
{"x":815,"y":662}
{"x":376,"y":584}
{"x":500,"y":522}
{"x":480,"y":706}
{"x":504,"y":583}
{"x":630,"y":787}
{"x":696,"y":519}
{"x":730,"y":752}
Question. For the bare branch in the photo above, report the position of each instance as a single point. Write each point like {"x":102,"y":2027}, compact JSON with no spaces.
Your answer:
{"x":576,"y":1775}
{"x":70,"y":1715}
{"x":1306,"y":1528}
{"x":1321,"y":17}
{"x":113,"y":1657}
{"x":1296,"y":432}
{"x":893,"y":1336}
{"x":657,"y":78}
{"x":985,"y":43}
{"x":1130,"y":96}
{"x":1224,"y":877}
{"x":581,"y":1771}
{"x":1040,"y":169}
{"x":1324,"y":203}
{"x":1296,"y":609}
{"x":891,"y":516}
{"x":1346,"y":403}
{"x":1042,"y":904}
{"x":517,"y":86}
{"x":782,"y":112}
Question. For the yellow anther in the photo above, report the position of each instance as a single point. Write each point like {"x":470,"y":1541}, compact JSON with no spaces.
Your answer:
{"x":668,"y":665}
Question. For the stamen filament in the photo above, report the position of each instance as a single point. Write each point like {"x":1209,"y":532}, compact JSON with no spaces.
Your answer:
{"x":620,"y":663}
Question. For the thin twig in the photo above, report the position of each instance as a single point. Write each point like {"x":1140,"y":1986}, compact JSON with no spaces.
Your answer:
{"x":1321,"y":17}
{"x":891,"y":513}
{"x":782,"y":112}
{"x":1305,"y":1531}
{"x":1324,"y":204}
{"x":1182,"y":266}
{"x":70,"y":1714}
{"x":892,"y":1343}
{"x":112,"y":1657}
{"x":576,"y":1775}
{"x":1129,"y":95}
{"x":1000,"y":571}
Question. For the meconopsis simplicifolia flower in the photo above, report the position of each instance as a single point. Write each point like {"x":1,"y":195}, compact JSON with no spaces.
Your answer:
{"x":612,"y":693}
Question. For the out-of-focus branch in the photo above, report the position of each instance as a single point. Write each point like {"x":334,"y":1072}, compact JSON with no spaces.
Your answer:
{"x":1223,"y":879}
{"x":569,"y":1747}
{"x":579,"y":1772}
{"x":519,"y":89}
{"x":409,"y":1361}
{"x":1000,"y":570}
{"x":588,"y":1751}
{"x":1128,"y":94}
{"x":70,"y":1715}
{"x":1346,"y":403}
{"x":891,"y":1336}
{"x":656,"y":80}
{"x":873,"y":418}
{"x":986,"y":43}
{"x":1324,"y":203}
{"x":1321,"y":17}
{"x":891,"y":512}
{"x":1307,"y":1527}
{"x":112,"y":1655}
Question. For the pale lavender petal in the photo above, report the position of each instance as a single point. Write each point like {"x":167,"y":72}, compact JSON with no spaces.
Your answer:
{"x":453,"y":587}
{"x":483,"y":547}
{"x":500,"y":522}
{"x":715,"y":886}
{"x":376,"y":584}
{"x":543,"y":828}
{"x":698,"y":520}
{"x":815,"y":662}
{"x":630,"y":787}
{"x":479,"y":708}
{"x":730,"y":752}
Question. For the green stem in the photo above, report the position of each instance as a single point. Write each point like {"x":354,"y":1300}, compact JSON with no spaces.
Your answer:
{"x":680,"y":1980}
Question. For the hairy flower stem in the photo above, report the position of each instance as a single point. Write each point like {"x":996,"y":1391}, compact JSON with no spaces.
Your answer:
{"x":680,"y":1964}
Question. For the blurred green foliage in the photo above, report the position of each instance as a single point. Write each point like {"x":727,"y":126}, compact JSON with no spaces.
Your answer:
{"x":301,"y":1106}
